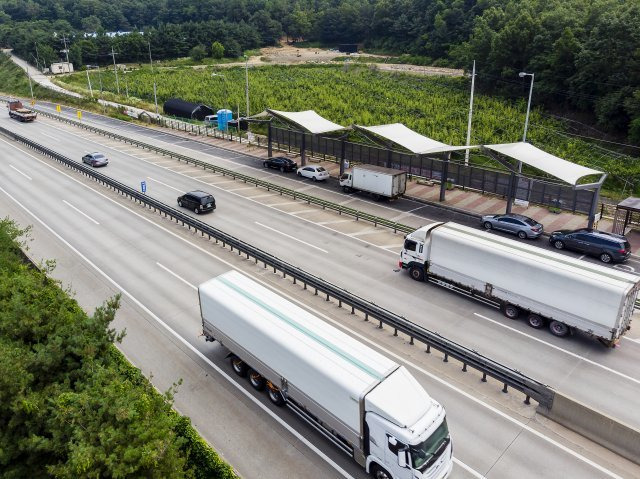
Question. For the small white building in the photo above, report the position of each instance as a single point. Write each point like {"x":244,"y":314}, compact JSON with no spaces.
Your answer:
{"x":62,"y":67}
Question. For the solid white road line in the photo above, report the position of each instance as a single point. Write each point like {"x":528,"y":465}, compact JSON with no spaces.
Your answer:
{"x":290,"y":298}
{"x":49,"y":136}
{"x":164,"y":184}
{"x":23,"y":174}
{"x":192,"y":348}
{"x":468,"y":469}
{"x":82,"y":213}
{"x":635,"y":340}
{"x":291,"y":237}
{"x":558,"y":348}
{"x":177,"y":276}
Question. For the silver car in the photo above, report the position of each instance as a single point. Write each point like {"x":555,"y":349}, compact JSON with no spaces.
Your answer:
{"x":95,"y":159}
{"x":520,"y":225}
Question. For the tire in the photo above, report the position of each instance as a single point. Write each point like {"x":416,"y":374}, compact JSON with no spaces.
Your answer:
{"x":346,"y":189}
{"x":488,"y":226}
{"x":282,"y":169}
{"x":299,"y":174}
{"x":379,"y":472}
{"x":417,"y":273}
{"x":558,"y":329}
{"x":265,"y":164}
{"x":276,"y":397}
{"x":535,"y":321}
{"x":239,"y":366}
{"x":511,"y":311}
{"x":314,"y":179}
{"x":257,"y":381}
{"x":377,"y":197}
{"x":180,"y":203}
{"x":606,"y":258}
{"x":196,"y":210}
{"x":522,"y":235}
{"x":557,"y":244}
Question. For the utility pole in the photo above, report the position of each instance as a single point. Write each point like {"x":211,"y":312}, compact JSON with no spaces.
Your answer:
{"x":30,"y":86}
{"x":246,"y":79}
{"x":526,"y":121}
{"x":155,"y":95}
{"x":115,"y":70}
{"x":89,"y":82}
{"x":473,"y":82}
{"x":38,"y":56}
{"x":66,"y":51}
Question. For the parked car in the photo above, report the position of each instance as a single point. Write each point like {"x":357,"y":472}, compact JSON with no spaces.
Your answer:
{"x":95,"y":159}
{"x":197,"y":201}
{"x":316,"y":173}
{"x":520,"y":225}
{"x":606,"y":246}
{"x":281,"y":163}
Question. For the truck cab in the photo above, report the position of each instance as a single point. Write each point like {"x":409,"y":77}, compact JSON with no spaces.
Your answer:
{"x":414,"y":254}
{"x":346,"y":181}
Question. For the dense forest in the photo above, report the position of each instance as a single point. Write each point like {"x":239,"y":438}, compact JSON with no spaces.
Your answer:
{"x":585,"y":53}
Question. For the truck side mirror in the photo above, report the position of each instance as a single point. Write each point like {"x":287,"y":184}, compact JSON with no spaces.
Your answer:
{"x":402,"y":458}
{"x":392,"y":441}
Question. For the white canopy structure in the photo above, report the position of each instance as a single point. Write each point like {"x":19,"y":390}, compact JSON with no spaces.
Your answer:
{"x":529,"y":154}
{"x":307,"y":120}
{"x":409,"y":139}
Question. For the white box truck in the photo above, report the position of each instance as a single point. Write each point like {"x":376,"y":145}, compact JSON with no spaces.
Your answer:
{"x":549,"y":288}
{"x":364,"y":403}
{"x":381,"y":182}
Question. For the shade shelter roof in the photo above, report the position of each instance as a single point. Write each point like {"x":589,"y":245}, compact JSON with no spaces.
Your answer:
{"x":409,"y":139}
{"x":308,"y":121}
{"x":553,"y":165}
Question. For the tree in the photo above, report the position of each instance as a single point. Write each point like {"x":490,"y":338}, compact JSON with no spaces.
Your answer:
{"x":198,"y":53}
{"x":217,"y":50}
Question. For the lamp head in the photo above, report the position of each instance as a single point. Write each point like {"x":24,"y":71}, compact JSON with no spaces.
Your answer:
{"x":521,"y":74}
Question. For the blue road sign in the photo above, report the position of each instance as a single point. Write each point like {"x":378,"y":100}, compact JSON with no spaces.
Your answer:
{"x":143,"y":186}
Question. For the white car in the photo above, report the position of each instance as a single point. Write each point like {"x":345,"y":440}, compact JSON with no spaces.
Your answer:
{"x":316,"y":173}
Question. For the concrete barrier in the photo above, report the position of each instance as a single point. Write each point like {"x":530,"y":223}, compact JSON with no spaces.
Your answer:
{"x":620,"y":438}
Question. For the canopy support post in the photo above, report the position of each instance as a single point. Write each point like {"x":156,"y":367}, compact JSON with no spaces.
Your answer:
{"x":512,"y":180}
{"x":269,"y":141}
{"x":594,"y":202}
{"x":343,"y":149}
{"x":445,"y":177}
{"x":303,"y":156}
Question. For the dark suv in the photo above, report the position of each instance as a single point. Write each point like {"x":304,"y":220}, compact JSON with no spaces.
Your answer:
{"x":197,"y":201}
{"x":281,"y":163}
{"x":606,"y":246}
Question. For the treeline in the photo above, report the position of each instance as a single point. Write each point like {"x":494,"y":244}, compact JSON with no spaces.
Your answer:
{"x":71,"y":406}
{"x":584,"y":54}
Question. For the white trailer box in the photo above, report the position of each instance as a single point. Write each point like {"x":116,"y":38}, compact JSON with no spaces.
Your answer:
{"x":377,"y":180}
{"x":330,"y":378}
{"x":62,"y":67}
{"x":590,"y":297}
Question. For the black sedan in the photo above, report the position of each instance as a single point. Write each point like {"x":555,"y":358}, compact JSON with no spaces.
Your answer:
{"x":281,"y":163}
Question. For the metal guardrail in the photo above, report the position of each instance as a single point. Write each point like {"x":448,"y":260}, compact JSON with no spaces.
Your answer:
{"x":310,"y":199}
{"x":469,"y":358}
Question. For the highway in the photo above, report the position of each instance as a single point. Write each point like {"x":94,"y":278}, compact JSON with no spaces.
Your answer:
{"x":159,"y":265}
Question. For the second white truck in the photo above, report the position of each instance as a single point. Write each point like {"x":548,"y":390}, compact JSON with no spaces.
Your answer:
{"x":546,"y":287}
{"x":364,"y":403}
{"x":381,"y":182}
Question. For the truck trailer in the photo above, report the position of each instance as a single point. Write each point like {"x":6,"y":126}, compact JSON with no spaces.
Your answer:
{"x":19,"y":112}
{"x":379,"y":181}
{"x":548,"y":288}
{"x":367,"y":405}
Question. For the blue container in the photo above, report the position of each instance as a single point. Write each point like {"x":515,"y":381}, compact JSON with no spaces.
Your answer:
{"x":224,"y":116}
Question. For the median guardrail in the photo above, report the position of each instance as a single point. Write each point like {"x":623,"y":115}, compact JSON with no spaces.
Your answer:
{"x":296,"y":195}
{"x":509,"y":377}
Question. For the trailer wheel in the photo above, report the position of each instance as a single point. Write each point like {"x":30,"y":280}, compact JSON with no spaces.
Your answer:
{"x":558,"y":329}
{"x":511,"y":311}
{"x":256,"y":380}
{"x":239,"y":366}
{"x":535,"y":321}
{"x":417,"y":273}
{"x":379,"y":472}
{"x":276,"y":397}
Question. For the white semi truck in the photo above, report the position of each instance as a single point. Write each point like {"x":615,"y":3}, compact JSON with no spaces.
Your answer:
{"x":364,"y":403}
{"x":548,"y":288}
{"x":381,"y":182}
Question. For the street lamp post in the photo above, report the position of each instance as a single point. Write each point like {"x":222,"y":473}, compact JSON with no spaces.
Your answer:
{"x":526,"y":121}
{"x":246,"y":79}
{"x":226,"y":97}
{"x":155,"y":94}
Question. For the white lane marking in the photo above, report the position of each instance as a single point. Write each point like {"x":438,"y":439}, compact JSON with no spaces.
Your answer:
{"x":177,"y":276}
{"x":365,"y":232}
{"x":396,"y":245}
{"x":333,"y":222}
{"x":553,"y":346}
{"x":635,"y":340}
{"x":283,"y":204}
{"x":468,"y":469}
{"x":205,"y":176}
{"x":291,"y":237}
{"x":49,"y":136}
{"x":241,"y":188}
{"x":300,"y":303}
{"x":81,"y":212}
{"x":192,"y":348}
{"x":23,"y":174}
{"x":164,"y":184}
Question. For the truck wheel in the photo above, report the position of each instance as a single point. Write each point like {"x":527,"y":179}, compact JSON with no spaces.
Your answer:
{"x":276,"y":397}
{"x":605,"y":258}
{"x":417,"y":273}
{"x":488,"y":225}
{"x":558,"y":329}
{"x":239,"y":366}
{"x":535,"y":321}
{"x":379,"y":472}
{"x":256,"y":380}
{"x":558,"y":244}
{"x":511,"y":311}
{"x":346,"y":189}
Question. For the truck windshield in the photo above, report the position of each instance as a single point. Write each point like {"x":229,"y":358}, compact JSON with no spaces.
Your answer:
{"x":425,"y":453}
